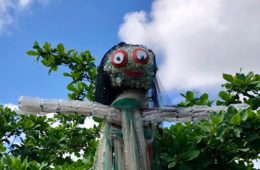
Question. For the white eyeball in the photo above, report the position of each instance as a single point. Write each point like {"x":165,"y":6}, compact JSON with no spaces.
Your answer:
{"x":119,"y":58}
{"x":140,"y":56}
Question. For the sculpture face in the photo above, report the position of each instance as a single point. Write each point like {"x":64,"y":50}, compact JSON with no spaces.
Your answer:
{"x":131,"y":66}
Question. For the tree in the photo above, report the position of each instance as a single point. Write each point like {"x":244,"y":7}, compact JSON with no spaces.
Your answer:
{"x":228,"y":140}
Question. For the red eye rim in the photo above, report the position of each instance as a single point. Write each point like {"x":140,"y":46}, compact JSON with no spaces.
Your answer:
{"x":135,"y":57}
{"x":125,"y":59}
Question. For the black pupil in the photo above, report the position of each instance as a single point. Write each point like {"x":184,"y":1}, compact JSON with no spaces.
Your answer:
{"x":118,"y":58}
{"x":142,"y":57}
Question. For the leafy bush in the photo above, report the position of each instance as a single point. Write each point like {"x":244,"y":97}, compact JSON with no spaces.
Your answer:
{"x":228,"y":140}
{"x":30,"y":138}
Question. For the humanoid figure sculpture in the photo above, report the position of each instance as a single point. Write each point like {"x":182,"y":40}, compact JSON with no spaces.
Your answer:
{"x":126,"y":81}
{"x":126,"y":98}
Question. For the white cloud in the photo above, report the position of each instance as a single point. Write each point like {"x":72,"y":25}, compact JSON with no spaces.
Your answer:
{"x":9,"y":9}
{"x":257,"y":164}
{"x":24,"y":3}
{"x":88,"y":123}
{"x":197,"y":40}
{"x":13,"y":107}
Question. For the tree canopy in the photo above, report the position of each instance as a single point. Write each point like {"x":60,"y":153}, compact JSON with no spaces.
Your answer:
{"x":227,"y":140}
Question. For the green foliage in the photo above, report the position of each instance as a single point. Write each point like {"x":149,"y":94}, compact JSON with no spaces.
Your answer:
{"x":229,"y":140}
{"x":49,"y":144}
{"x":85,"y":163}
{"x":191,"y":100}
{"x":16,"y":163}
{"x":241,"y":88}
{"x":8,"y":121}
{"x":39,"y":140}
{"x":81,"y":65}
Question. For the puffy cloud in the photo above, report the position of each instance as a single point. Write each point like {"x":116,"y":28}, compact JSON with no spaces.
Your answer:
{"x":197,"y":40}
{"x":10,"y":8}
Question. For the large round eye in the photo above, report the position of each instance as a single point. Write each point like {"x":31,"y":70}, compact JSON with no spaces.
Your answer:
{"x":119,"y":58}
{"x":140,"y":56}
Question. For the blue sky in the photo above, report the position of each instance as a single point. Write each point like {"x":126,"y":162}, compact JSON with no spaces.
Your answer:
{"x":81,"y":25}
{"x":195,"y":41}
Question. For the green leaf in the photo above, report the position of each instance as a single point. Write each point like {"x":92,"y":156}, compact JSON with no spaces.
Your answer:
{"x":244,"y":150}
{"x":166,"y":157}
{"x":66,"y":75}
{"x":32,"y":53}
{"x":189,"y":95}
{"x":258,"y":84}
{"x":244,"y":115}
{"x":217,"y":119}
{"x":61,"y":48}
{"x":235,"y":119}
{"x":228,"y":77}
{"x":54,"y":68}
{"x":203,"y":99}
{"x":47,"y":47}
{"x":71,"y":87}
{"x":219,"y":103}
{"x":252,"y":136}
{"x":237,"y":132}
{"x":220,"y":133}
{"x":46,"y":62}
{"x":190,"y":155}
{"x":224,"y":95}
{"x":36,"y":45}
{"x":171,"y":165}
{"x":183,"y":95}
{"x":2,"y":148}
{"x":232,"y":110}
{"x":241,"y":77}
{"x":28,"y":123}
{"x":250,"y":75}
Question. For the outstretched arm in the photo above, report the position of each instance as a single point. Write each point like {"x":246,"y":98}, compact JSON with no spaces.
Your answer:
{"x":33,"y":105}
{"x":183,"y":114}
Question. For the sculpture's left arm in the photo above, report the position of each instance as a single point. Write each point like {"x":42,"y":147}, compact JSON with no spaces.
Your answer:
{"x":183,"y":113}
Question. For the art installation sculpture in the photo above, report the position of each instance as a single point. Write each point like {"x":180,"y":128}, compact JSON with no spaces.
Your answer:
{"x":126,"y":98}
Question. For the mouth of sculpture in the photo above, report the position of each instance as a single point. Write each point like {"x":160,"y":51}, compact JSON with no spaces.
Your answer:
{"x":133,"y":73}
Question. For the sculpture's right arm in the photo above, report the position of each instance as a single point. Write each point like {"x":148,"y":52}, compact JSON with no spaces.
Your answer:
{"x":33,"y":105}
